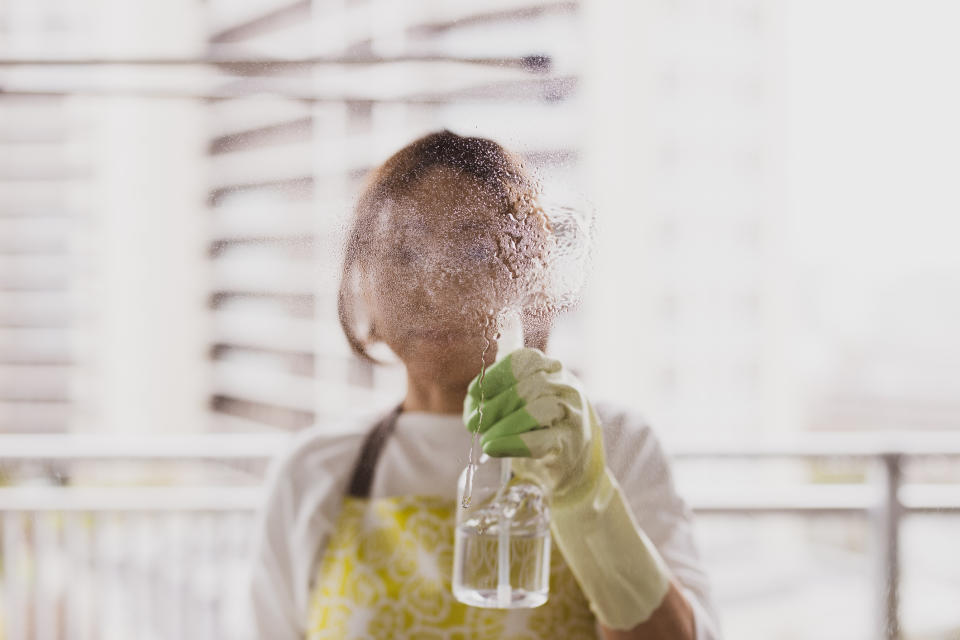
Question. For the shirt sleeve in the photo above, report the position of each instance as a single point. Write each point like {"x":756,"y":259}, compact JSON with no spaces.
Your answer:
{"x":304,"y":490}
{"x":638,"y":462}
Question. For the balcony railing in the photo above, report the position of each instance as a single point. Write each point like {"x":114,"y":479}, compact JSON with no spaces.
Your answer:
{"x":885,"y":501}
{"x":127,"y":561}
{"x":167,"y":561}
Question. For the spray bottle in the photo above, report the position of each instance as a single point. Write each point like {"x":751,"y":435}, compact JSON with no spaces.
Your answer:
{"x":502,"y":543}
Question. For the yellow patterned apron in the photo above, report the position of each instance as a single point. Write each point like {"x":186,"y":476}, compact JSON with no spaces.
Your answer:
{"x":386,"y":573}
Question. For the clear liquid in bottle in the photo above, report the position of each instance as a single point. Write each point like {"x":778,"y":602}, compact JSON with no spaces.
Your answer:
{"x":479,"y":554}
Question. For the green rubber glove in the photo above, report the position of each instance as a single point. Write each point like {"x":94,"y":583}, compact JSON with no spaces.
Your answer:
{"x":534,"y":410}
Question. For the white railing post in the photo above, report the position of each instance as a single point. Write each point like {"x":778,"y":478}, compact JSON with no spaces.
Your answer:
{"x":888,"y":518}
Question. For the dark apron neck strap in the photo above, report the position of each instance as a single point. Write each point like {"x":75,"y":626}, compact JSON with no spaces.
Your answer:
{"x":366,"y":464}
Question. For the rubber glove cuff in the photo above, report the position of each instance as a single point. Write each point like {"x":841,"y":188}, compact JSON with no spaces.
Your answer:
{"x":618,"y":568}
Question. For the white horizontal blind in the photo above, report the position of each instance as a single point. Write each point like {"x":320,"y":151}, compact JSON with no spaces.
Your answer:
{"x":36,"y":222}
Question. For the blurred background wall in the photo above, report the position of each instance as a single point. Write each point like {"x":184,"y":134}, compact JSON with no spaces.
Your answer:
{"x":776,"y":284}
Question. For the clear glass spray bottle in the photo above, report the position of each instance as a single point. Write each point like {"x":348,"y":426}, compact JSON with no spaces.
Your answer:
{"x":502,"y":543}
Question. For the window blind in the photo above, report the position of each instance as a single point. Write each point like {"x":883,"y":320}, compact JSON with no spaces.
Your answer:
{"x":284,"y":171}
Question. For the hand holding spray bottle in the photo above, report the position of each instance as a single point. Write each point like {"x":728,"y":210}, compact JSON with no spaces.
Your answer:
{"x":502,"y":544}
{"x":536,"y":414}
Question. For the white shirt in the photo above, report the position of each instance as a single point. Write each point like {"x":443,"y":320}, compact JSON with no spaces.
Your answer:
{"x":425,"y":456}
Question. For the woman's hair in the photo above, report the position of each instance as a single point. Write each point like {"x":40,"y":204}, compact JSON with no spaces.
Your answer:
{"x":496,"y":169}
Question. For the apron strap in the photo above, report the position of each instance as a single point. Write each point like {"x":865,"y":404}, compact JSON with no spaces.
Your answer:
{"x":366,"y":464}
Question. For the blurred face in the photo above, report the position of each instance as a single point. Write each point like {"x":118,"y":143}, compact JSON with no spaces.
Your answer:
{"x":448,"y":258}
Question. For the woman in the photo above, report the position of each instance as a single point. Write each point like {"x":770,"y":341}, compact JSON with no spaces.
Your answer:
{"x":355,"y":540}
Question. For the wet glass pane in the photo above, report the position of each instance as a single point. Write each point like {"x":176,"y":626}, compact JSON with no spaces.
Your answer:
{"x":749,"y":214}
{"x":767,"y":569}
